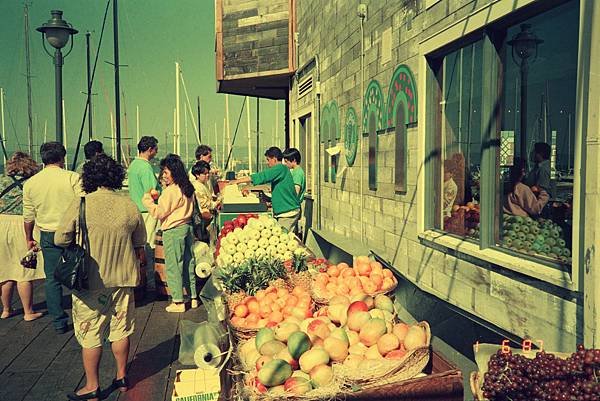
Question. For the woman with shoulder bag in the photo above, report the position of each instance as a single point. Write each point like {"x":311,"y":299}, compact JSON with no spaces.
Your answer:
{"x":116,"y":235}
{"x":174,"y":211}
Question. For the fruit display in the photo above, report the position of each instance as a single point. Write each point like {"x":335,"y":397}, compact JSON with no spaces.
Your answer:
{"x":545,"y":377}
{"x":541,"y":237}
{"x":249,"y":236}
{"x":366,"y":277}
{"x":464,"y":220}
{"x":268,"y":307}
{"x":350,"y":338}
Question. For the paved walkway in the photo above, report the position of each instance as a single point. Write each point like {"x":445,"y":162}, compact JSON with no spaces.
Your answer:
{"x":36,"y":364}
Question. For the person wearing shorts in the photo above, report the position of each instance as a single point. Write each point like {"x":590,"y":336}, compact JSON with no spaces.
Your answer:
{"x":104,"y":311}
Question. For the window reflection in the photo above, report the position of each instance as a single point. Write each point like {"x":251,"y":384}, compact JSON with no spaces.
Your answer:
{"x":538,"y":180}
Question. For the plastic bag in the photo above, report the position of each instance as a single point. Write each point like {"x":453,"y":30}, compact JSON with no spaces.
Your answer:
{"x":204,"y":344}
{"x":212,"y":299}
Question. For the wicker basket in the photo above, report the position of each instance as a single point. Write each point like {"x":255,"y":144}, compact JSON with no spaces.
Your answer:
{"x":383,"y":371}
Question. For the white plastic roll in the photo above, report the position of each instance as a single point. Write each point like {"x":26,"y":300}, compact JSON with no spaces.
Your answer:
{"x":208,"y":356}
{"x":203,"y":269}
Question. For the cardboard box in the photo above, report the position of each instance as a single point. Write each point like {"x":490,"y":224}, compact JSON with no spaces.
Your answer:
{"x":197,"y":385}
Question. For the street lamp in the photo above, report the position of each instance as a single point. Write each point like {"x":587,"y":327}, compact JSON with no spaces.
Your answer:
{"x":57,"y":32}
{"x":524,"y":45}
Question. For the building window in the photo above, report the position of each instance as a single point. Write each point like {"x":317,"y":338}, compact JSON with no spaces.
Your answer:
{"x":400,"y":150}
{"x":460,"y":139}
{"x":505,"y":118}
{"x":537,"y":115}
{"x":372,"y":152}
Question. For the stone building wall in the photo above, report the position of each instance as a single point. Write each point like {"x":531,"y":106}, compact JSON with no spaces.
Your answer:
{"x":331,"y":30}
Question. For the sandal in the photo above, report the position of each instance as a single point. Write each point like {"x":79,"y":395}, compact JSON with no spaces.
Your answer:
{"x":6,"y":314}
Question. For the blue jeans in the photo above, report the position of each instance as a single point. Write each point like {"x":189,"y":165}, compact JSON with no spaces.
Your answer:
{"x":179,"y":260}
{"x":53,"y":288}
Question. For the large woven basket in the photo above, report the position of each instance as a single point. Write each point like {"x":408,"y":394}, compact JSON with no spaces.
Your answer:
{"x":377,"y":372}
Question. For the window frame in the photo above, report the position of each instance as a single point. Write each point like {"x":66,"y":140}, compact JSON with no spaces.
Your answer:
{"x":487,"y":21}
{"x":400,"y":155}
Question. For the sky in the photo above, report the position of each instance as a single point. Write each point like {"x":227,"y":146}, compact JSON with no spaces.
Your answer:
{"x":153,"y":35}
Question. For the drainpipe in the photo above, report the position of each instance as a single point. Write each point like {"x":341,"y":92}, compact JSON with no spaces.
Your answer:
{"x":360,"y":134}
{"x":317,"y":126}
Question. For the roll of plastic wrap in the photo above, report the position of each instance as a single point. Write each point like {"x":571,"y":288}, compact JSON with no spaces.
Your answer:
{"x":203,"y":269}
{"x":208,"y":356}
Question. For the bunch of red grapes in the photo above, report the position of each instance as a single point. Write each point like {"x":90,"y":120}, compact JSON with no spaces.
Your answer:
{"x":543,"y":378}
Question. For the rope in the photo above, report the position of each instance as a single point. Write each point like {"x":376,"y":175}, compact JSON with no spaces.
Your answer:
{"x":189,"y":106}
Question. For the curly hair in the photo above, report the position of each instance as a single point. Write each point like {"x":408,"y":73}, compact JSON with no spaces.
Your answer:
{"x":102,"y":171}
{"x":21,"y":164}
{"x":180,"y":176}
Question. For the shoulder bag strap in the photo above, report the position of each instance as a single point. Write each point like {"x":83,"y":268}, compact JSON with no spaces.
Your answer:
{"x":83,"y":226}
{"x":16,"y":183}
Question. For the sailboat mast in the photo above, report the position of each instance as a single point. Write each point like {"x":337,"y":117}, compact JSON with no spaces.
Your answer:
{"x":224,"y":141}
{"x":65,"y":143}
{"x":177,"y":113}
{"x":28,"y":76}
{"x":89,"y":84}
{"x":216,"y":144}
{"x":187,"y":147}
{"x":137,"y":125}
{"x":277,"y":123}
{"x":3,"y":138}
{"x":249,"y":135}
{"x":227,"y":126}
{"x":199,"y":130}
{"x":117,"y":86}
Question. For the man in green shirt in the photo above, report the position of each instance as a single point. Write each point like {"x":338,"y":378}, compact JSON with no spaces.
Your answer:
{"x":141,"y":179}
{"x":286,"y":205}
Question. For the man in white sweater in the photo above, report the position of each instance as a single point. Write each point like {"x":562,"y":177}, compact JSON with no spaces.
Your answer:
{"x":46,"y":196}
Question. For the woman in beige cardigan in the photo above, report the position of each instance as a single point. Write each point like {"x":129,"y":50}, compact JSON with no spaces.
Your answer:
{"x":117,"y":236}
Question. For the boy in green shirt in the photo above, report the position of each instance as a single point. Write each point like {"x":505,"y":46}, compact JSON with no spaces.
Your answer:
{"x":292,"y":158}
{"x":285,"y":201}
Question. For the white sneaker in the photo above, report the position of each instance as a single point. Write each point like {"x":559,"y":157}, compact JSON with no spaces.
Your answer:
{"x":176,"y":308}
{"x":194,"y":303}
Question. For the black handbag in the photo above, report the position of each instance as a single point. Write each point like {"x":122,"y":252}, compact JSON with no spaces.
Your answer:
{"x":71,"y":269}
{"x":199,"y":224}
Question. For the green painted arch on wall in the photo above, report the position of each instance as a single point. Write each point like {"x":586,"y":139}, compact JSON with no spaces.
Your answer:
{"x":350,"y":136}
{"x":373,"y":103}
{"x":402,"y":90}
{"x":324,"y":117}
{"x":334,"y":121}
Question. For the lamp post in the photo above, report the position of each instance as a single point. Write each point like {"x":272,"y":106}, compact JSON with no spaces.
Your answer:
{"x":57,"y":32}
{"x":524,"y":45}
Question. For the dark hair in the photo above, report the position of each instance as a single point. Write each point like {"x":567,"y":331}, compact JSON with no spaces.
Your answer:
{"x":180,"y":176}
{"x":20,"y":163}
{"x":147,"y":142}
{"x":542,"y":149}
{"x":92,"y":148}
{"x":52,"y":152}
{"x":200,"y":167}
{"x":275,"y":152}
{"x":292,"y":154}
{"x":202,"y":150}
{"x":515,"y":173}
{"x":102,"y":171}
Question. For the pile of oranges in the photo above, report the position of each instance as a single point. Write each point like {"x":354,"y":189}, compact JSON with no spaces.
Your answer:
{"x":365,"y":277}
{"x":271,"y":306}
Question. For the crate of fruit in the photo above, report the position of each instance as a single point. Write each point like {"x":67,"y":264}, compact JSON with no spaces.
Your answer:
{"x":505,"y":373}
